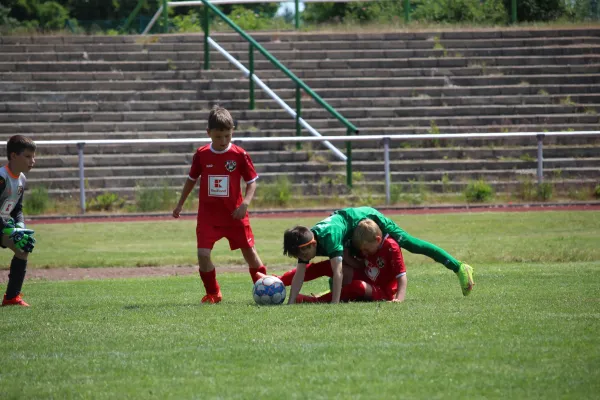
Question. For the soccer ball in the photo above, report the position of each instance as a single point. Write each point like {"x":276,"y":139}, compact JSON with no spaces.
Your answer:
{"x":269,"y":291}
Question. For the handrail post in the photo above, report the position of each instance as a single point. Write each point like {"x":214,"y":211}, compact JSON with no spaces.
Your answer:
{"x":81,"y":177}
{"x":407,"y":11}
{"x":166,"y":16}
{"x":251,"y":76}
{"x":540,"y":159}
{"x":349,"y":159}
{"x":298,"y":115}
{"x":205,"y":26}
{"x":297,"y":14}
{"x":386,"y":168}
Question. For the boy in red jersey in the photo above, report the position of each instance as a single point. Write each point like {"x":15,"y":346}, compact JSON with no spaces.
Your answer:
{"x":380,"y":276}
{"x":222,"y":212}
{"x":383,"y":274}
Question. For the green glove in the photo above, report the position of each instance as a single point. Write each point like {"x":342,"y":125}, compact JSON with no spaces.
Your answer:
{"x":21,"y":237}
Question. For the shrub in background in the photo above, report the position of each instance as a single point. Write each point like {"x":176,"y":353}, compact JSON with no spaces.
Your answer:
{"x":106,"y":202}
{"x":478,"y":191}
{"x":155,"y":198}
{"x":36,"y":201}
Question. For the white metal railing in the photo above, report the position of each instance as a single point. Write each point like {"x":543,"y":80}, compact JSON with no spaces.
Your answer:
{"x":386,"y":139}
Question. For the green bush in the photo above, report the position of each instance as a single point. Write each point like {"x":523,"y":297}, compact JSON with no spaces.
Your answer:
{"x":155,"y":198}
{"x":462,"y":11}
{"x":525,"y":189}
{"x":52,"y":16}
{"x":376,"y":11}
{"x":478,"y":191}
{"x":248,"y":19}
{"x":36,"y":201}
{"x":106,"y":202}
{"x":537,"y":10}
{"x":278,"y":193}
{"x":187,"y":23}
{"x":544,"y":191}
{"x":597,"y":191}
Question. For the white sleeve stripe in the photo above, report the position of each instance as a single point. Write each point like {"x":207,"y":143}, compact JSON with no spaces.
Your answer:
{"x":399,"y":275}
{"x":250,"y":181}
{"x":192,"y":179}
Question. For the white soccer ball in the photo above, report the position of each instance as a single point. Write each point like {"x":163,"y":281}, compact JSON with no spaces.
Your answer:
{"x":269,"y":291}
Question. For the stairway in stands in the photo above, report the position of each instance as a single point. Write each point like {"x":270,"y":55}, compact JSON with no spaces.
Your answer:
{"x":120,"y":87}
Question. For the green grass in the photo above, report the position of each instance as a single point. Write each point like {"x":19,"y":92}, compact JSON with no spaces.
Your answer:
{"x":478,"y":238}
{"x":529,"y":330}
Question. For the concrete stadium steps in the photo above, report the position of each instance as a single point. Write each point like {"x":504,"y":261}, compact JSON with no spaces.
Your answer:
{"x":155,"y":157}
{"x":224,"y":96}
{"x":145,"y":87}
{"x":366,"y":123}
{"x":562,"y":107}
{"x":197,"y":55}
{"x":373,"y":190}
{"x":175,"y":73}
{"x":202,"y":105}
{"x":315,"y":84}
{"x":263,"y":66}
{"x":299,"y":45}
{"x":570,"y":167}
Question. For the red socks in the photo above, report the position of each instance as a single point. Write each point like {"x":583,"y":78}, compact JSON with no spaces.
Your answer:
{"x":209,"y":279}
{"x":262,"y":269}
{"x":313,"y":271}
{"x":355,"y":290}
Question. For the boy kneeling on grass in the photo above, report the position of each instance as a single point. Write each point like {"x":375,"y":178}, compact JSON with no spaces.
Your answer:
{"x":329,"y":237}
{"x":380,"y":276}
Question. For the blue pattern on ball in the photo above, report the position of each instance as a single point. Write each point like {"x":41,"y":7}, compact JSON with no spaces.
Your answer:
{"x":269,"y":290}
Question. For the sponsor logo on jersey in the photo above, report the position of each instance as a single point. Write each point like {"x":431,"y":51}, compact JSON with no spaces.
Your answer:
{"x":218,"y":185}
{"x":230,"y":165}
{"x":209,"y":166}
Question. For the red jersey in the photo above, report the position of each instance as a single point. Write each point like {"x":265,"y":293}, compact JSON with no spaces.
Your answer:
{"x":221,"y":173}
{"x":384,"y":267}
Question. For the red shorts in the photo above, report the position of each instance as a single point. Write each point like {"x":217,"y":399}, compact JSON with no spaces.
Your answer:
{"x":379,"y":293}
{"x":239,"y":237}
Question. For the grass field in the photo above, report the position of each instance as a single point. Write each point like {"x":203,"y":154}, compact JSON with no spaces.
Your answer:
{"x":530,"y":329}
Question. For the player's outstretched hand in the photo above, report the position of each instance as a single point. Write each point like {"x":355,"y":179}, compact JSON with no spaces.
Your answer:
{"x":240,"y":212}
{"x":177,"y":211}
{"x":21,"y":237}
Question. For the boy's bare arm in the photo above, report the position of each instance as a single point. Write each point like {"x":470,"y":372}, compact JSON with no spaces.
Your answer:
{"x":297,"y":282}
{"x":240,"y":212}
{"x":188,"y":186}
{"x":351,"y":261}
{"x":337,"y":275}
{"x":401,"y":292}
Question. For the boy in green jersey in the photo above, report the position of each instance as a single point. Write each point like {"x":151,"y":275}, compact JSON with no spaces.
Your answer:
{"x":330,"y":236}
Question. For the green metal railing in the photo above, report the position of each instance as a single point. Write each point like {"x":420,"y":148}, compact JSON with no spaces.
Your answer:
{"x":300,"y":85}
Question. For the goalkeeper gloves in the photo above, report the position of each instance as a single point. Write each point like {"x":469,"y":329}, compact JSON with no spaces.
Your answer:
{"x":21,"y":237}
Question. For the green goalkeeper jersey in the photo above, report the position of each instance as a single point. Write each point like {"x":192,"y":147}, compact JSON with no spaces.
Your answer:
{"x":335,"y":232}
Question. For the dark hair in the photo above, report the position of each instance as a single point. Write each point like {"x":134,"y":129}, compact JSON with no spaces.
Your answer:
{"x":220,"y":119}
{"x":292,"y":238}
{"x":18,"y":144}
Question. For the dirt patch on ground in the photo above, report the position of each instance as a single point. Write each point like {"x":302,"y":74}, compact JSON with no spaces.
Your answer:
{"x":71,"y":274}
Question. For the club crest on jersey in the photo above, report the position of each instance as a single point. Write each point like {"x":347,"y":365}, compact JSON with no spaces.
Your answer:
{"x":230,"y":165}
{"x":20,"y":190}
{"x":380,"y":262}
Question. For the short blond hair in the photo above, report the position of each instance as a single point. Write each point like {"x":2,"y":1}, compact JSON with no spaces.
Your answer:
{"x":365,"y":232}
{"x":220,"y":119}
